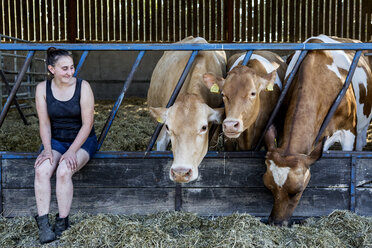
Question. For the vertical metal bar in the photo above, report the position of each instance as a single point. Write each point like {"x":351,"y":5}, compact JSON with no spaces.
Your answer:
{"x":16,"y":86}
{"x":172,"y":99}
{"x":352,"y":183}
{"x":15,"y":98}
{"x":282,"y":95}
{"x":1,"y":185}
{"x":247,"y":57}
{"x":178,"y":198}
{"x":81,"y":62}
{"x":342,"y":93}
{"x":127,"y":83}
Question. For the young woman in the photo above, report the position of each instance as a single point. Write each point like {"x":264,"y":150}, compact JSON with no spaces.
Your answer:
{"x":65,"y":107}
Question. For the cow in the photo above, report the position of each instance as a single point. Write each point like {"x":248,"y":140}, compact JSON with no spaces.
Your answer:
{"x":187,"y":122}
{"x":249,"y":94}
{"x":316,"y":85}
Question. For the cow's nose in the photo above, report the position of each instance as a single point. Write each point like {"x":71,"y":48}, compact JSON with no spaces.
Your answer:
{"x":181,"y":175}
{"x":231,"y":126}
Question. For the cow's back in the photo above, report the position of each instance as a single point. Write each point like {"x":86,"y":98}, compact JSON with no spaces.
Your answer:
{"x":170,"y":67}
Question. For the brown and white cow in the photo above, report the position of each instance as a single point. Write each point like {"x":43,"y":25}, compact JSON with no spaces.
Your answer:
{"x":249,"y":94}
{"x":314,"y":89}
{"x":187,"y":121}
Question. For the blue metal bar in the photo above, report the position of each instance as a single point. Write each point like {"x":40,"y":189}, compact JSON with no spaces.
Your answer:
{"x":1,"y":185}
{"x":342,"y":93}
{"x":127,"y":83}
{"x":247,"y":56}
{"x":352,"y":184}
{"x":173,"y":98}
{"x":16,"y":86}
{"x":81,"y":62}
{"x":281,"y":97}
{"x":186,"y":46}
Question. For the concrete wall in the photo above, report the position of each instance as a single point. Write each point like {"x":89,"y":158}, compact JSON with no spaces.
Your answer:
{"x":107,"y":71}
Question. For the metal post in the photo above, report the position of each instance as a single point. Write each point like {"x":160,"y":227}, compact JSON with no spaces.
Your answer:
{"x":341,"y":95}
{"x":178,"y":198}
{"x":352,"y":183}
{"x":172,"y":98}
{"x":81,"y":62}
{"x":16,"y":86}
{"x":1,"y":186}
{"x":247,"y":56}
{"x":282,"y":95}
{"x":15,"y":98}
{"x":127,"y":83}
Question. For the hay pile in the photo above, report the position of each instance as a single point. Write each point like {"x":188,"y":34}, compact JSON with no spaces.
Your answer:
{"x":131,"y":129}
{"x":180,"y":229}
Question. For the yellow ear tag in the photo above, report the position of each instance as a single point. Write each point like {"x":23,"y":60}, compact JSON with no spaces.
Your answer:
{"x":276,"y":143}
{"x":215,"y":88}
{"x":270,"y":87}
{"x":159,"y":119}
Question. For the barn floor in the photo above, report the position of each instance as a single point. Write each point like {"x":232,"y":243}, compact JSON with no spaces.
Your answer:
{"x":178,"y":229}
{"x":131,"y":130}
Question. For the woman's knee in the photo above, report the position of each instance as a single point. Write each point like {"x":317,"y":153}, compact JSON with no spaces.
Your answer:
{"x":43,"y":171}
{"x":63,"y":172}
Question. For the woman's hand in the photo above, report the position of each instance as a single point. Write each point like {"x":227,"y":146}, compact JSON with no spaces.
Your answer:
{"x":70,"y":159}
{"x":44,"y":155}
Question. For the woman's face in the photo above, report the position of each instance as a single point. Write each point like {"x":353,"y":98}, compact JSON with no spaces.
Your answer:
{"x":63,"y":70}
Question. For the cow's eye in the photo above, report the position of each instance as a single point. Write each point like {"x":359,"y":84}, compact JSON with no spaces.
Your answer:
{"x":222,"y":94}
{"x":166,"y":127}
{"x":253,"y":94}
{"x":204,"y":128}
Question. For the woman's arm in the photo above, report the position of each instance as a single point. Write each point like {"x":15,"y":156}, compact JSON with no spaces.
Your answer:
{"x":44,"y":124}
{"x":87,"y":116}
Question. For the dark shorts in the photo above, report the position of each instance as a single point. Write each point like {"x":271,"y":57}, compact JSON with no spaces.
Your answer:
{"x":90,"y":145}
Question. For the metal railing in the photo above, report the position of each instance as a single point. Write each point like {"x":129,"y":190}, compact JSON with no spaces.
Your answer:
{"x":142,"y":48}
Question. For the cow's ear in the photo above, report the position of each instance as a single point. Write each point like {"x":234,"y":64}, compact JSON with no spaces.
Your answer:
{"x":210,"y":80}
{"x":316,"y":153}
{"x":267,"y":82}
{"x":270,"y":138}
{"x":216,"y":115}
{"x":160,"y":114}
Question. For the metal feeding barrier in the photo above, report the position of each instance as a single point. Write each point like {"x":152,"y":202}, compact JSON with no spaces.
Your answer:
{"x":194,"y":49}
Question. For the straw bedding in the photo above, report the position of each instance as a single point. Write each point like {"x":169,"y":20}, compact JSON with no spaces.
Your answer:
{"x":180,"y":229}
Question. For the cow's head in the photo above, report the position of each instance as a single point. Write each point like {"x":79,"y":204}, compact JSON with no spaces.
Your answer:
{"x":286,"y":177}
{"x":240,"y":92}
{"x":187,"y":123}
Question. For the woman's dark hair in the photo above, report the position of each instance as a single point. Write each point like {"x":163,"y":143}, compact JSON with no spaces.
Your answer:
{"x":53,"y":54}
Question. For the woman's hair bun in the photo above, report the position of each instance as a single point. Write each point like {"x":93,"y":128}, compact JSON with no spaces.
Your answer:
{"x":51,"y":50}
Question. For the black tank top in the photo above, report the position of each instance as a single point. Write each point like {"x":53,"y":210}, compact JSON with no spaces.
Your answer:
{"x":65,"y":116}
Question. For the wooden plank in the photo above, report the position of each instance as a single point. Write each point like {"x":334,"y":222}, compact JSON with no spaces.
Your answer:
{"x":351,"y":19}
{"x":364,"y":172}
{"x":243,"y":24}
{"x":236,"y":31}
{"x":345,"y":20}
{"x":357,"y":21}
{"x":218,"y":12}
{"x":21,"y":202}
{"x":136,"y":35}
{"x":255,"y":21}
{"x":159,"y":19}
{"x":195,"y":18}
{"x":268,"y":27}
{"x":363,"y":205}
{"x":72,"y":21}
{"x":327,"y":23}
{"x":297,"y":29}
{"x":189,"y":20}
{"x":183,"y":21}
{"x":286,"y":21}
{"x":97,"y":173}
{"x":309,"y":17}
{"x":259,"y":201}
{"x":153,"y":20}
{"x":333,"y":17}
{"x":234,"y":172}
{"x":339,"y":23}
{"x":207,"y":24}
{"x":303,"y":26}
{"x":280,"y":19}
{"x":147,"y":22}
{"x":262,"y":18}
{"x":173,"y":25}
{"x":249,"y":20}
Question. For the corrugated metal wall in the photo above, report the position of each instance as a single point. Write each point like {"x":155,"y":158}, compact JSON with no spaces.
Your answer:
{"x":172,"y":20}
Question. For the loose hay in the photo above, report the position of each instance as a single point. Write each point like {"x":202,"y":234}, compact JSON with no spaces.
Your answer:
{"x":180,"y":229}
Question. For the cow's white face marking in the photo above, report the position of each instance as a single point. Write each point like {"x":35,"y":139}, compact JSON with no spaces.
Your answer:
{"x":265,"y":63}
{"x":280,"y":174}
